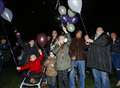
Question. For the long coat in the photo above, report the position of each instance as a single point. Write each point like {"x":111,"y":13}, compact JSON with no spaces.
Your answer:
{"x":99,"y":55}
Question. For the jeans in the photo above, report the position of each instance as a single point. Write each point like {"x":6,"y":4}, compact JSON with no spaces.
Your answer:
{"x":101,"y":79}
{"x":51,"y":82}
{"x":116,"y":60}
{"x":80,"y":64}
{"x":63,"y":79}
{"x":116,"y":63}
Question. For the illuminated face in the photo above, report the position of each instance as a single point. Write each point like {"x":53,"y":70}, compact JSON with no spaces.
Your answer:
{"x":33,"y":57}
{"x":79,"y":34}
{"x":61,"y":39}
{"x":113,"y":35}
{"x":54,"y":34}
{"x":99,"y":31}
{"x":18,"y":34}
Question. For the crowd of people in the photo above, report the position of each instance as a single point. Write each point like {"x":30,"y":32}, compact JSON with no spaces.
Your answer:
{"x":67,"y":59}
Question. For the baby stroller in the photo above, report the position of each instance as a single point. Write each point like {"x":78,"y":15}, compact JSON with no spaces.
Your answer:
{"x":26,"y":83}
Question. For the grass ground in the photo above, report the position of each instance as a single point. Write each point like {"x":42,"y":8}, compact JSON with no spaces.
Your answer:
{"x":9,"y":79}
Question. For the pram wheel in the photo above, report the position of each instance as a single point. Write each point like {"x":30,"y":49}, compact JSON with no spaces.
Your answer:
{"x":39,"y":80}
{"x":26,"y":84}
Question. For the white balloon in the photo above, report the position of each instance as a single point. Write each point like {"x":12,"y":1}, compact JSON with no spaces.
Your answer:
{"x":71,"y":13}
{"x":62,"y":10}
{"x":75,"y":5}
{"x":71,"y":27}
{"x":7,"y":15}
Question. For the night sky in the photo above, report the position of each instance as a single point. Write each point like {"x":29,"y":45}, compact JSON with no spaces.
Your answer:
{"x":34,"y":16}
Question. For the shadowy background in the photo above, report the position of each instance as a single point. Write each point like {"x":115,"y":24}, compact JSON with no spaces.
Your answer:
{"x":34,"y":16}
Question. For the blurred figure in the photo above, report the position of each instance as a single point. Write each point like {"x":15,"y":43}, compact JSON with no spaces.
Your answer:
{"x":49,"y":38}
{"x":99,"y":58}
{"x":54,"y":35}
{"x":116,"y":55}
{"x":34,"y":66}
{"x":5,"y":53}
{"x":51,"y":72}
{"x":33,"y":48}
{"x":54,"y":39}
{"x":63,"y":60}
{"x":27,"y":49}
{"x":51,"y":76}
{"x":51,"y":42}
{"x":78,"y":55}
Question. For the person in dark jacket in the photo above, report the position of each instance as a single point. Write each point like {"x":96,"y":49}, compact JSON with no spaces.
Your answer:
{"x":63,"y":60}
{"x":78,"y":55}
{"x":51,"y":42}
{"x":116,"y":55}
{"x":5,"y":53}
{"x":27,"y":49}
{"x":99,"y":58}
{"x":50,"y":46}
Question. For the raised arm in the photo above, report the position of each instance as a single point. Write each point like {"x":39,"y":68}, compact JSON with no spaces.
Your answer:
{"x":24,"y":67}
{"x":67,"y":35}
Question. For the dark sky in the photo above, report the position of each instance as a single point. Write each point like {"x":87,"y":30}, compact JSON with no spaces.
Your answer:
{"x":33,"y":16}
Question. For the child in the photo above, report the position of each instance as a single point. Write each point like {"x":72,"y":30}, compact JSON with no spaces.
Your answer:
{"x":34,"y":66}
{"x":51,"y":72}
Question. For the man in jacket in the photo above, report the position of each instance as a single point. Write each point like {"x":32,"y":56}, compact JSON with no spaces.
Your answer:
{"x":99,"y":58}
{"x":27,"y":49}
{"x":63,"y":60}
{"x":78,"y":55}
